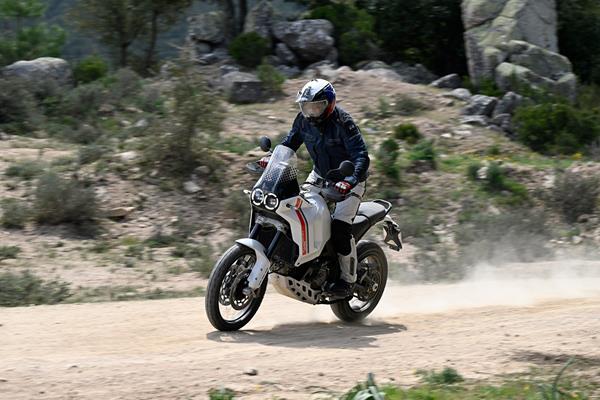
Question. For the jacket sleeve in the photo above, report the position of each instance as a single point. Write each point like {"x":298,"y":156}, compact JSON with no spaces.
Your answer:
{"x":356,"y":147}
{"x":294,"y":140}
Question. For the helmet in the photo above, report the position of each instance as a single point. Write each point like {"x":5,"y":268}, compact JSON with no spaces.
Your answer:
{"x":316,"y":100}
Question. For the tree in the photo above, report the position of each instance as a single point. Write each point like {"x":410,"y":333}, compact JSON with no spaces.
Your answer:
{"x":24,"y":38}
{"x":163,"y":14}
{"x":118,"y":23}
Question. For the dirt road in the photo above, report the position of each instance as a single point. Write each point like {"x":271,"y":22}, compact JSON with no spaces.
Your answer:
{"x":167,"y":349}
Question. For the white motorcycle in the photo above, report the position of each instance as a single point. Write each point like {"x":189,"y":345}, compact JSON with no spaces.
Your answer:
{"x":289,"y":246}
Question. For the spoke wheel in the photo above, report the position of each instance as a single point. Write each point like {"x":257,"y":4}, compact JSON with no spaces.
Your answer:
{"x":227,"y":307}
{"x":372,"y":277}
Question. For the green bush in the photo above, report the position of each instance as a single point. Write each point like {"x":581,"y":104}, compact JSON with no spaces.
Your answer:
{"x":424,"y":151}
{"x":15,"y":213}
{"x":7,"y":252}
{"x":25,"y":170}
{"x":63,"y":201}
{"x":556,"y":128}
{"x":83,"y":134}
{"x":353,"y":30}
{"x":496,"y":181}
{"x":25,"y":289}
{"x":90,"y":69}
{"x":407,"y":132}
{"x":448,"y":376}
{"x":473,"y":171}
{"x":248,"y":49}
{"x":90,"y":153}
{"x":387,"y":157}
{"x":575,"y":195}
{"x":407,"y":105}
{"x":271,"y":79}
{"x":18,"y":107}
{"x":221,"y":394}
{"x":83,"y":101}
{"x":123,"y":86}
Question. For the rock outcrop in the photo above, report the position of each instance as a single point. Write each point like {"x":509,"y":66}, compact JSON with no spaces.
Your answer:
{"x":310,"y":39}
{"x":40,"y":71}
{"x":514,"y":42}
{"x":242,"y":87}
{"x":260,"y":19}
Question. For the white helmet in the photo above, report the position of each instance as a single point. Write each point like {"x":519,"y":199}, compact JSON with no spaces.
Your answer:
{"x":316,"y":100}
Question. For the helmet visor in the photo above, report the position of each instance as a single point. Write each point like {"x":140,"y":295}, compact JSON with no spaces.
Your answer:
{"x":313,"y":109}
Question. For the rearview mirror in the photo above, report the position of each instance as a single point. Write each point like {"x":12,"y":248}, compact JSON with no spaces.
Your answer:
{"x":265,"y":144}
{"x":346,"y":168}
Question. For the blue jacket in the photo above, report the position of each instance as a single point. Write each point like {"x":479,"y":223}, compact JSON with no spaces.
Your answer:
{"x":334,"y":140}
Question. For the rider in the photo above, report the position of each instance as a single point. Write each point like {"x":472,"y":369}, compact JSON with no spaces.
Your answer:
{"x":331,"y":136}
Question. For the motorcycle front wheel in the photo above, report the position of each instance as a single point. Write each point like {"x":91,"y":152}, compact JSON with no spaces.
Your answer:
{"x":372,"y":274}
{"x":227,"y":307}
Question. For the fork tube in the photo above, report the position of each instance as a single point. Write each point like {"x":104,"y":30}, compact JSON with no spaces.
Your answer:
{"x":273,"y":244}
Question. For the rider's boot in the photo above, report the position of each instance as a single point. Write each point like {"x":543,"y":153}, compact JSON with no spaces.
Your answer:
{"x":345,"y":285}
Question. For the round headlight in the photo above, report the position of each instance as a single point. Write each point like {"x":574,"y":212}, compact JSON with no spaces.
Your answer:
{"x":271,"y":202}
{"x":257,"y":197}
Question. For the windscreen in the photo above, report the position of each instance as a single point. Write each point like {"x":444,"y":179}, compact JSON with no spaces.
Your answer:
{"x":281,"y":175}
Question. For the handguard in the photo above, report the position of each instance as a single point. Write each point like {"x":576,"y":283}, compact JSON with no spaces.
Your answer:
{"x":392,"y":235}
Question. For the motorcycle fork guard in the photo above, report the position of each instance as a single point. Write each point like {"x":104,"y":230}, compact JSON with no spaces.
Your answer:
{"x":262,"y":265}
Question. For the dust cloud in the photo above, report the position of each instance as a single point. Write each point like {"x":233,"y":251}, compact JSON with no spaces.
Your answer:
{"x":518,"y":284}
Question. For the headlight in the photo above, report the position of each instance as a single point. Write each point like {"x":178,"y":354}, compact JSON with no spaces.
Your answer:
{"x":271,"y":202}
{"x":257,"y":197}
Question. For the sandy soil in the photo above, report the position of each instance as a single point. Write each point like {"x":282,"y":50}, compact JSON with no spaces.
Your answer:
{"x":168,"y":350}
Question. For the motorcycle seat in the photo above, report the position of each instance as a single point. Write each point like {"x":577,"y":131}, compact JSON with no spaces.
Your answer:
{"x":369,"y":213}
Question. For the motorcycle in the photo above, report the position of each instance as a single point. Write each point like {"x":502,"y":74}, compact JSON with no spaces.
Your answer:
{"x":289,"y":247}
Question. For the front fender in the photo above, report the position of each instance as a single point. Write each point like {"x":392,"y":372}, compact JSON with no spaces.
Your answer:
{"x":262,"y":265}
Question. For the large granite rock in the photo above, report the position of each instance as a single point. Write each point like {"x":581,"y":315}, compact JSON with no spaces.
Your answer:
{"x":260,"y":19}
{"x":207,"y":28}
{"x":242,"y":87}
{"x":310,"y":39}
{"x":517,"y":32}
{"x":41,"y":71}
{"x":286,"y":55}
{"x":416,"y":74}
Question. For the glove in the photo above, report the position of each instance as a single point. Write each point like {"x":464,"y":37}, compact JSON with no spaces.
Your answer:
{"x":263,"y":162}
{"x":343,"y":187}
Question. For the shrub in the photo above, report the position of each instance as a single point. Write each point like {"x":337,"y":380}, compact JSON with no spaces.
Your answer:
{"x":25,"y":288}
{"x":197,"y":117}
{"x":221,"y":394}
{"x":238,"y":208}
{"x":383,"y":108}
{"x":7,"y":252}
{"x":407,"y":105}
{"x":14,"y":213}
{"x":83,"y":134}
{"x":123,"y":85}
{"x":90,"y":69}
{"x":25,"y":170}
{"x":271,"y":79}
{"x":407,"y":132}
{"x":203,"y":261}
{"x":447,"y":376}
{"x":63,"y":201}
{"x":90,"y":153}
{"x":473,"y":171}
{"x":387,"y":157}
{"x":83,"y":101}
{"x":553,"y":128}
{"x":424,"y":151}
{"x":355,"y":46}
{"x":18,"y":108}
{"x":248,"y":49}
{"x":575,"y":195}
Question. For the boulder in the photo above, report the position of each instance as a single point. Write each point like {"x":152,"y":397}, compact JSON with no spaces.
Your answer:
{"x":288,"y":72}
{"x":191,"y":187}
{"x":452,"y":81}
{"x":460,"y":94}
{"x":310,"y":39}
{"x":286,"y":55}
{"x":508,"y":104}
{"x":260,"y":19}
{"x":504,"y":121}
{"x":480,"y":105}
{"x":41,"y":71}
{"x":384,"y":73}
{"x":242,"y":87}
{"x":480,"y":120}
{"x":374,"y":65}
{"x":415,"y":74}
{"x":208,"y":27}
{"x":521,"y":33}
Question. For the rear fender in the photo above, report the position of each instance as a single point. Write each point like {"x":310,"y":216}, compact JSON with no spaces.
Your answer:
{"x":262,"y":265}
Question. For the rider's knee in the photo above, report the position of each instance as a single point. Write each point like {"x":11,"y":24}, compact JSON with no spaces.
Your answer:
{"x":341,"y":234}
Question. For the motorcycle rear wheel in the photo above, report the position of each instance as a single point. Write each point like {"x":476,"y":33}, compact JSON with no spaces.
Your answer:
{"x":372,"y":261}
{"x":224,"y":292}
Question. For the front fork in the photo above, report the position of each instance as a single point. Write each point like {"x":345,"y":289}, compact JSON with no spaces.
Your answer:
{"x":263,"y":256}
